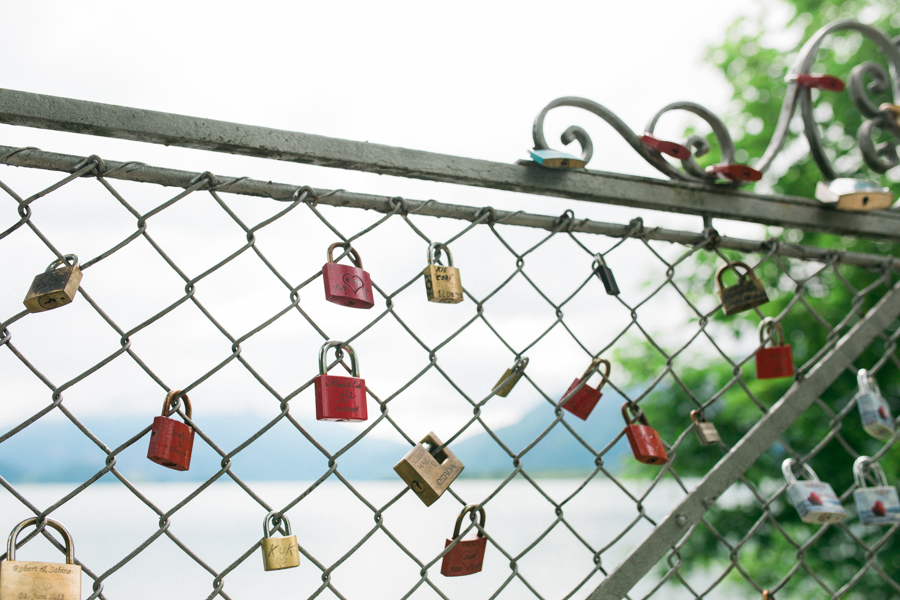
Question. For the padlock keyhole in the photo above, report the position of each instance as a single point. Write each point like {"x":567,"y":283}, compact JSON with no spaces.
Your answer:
{"x":865,"y":200}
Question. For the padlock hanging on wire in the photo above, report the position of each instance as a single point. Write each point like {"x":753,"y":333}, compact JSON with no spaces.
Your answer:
{"x":20,"y":580}
{"x":514,"y":374}
{"x":339,"y":397}
{"x":467,"y":556}
{"x":279,"y":552}
{"x":427,"y":471}
{"x":749,"y":292}
{"x":775,"y":361}
{"x":582,"y":402}
{"x":442,"y":284}
{"x":55,"y":287}
{"x":347,"y":285}
{"x":171,"y":441}
{"x":602,"y":270}
{"x":814,"y":500}
{"x":874,"y":410}
{"x":878,"y":505}
{"x":707,"y":434}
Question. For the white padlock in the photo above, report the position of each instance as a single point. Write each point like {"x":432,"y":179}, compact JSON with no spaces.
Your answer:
{"x":814,"y":500}
{"x":876,"y":505}
{"x":873,"y":408}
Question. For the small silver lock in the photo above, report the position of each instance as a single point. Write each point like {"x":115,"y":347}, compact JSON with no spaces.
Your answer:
{"x":873,"y":408}
{"x":875,"y":505}
{"x":706,"y":431}
{"x":814,"y":500}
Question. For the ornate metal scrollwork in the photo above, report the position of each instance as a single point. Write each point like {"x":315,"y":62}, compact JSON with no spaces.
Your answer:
{"x":879,"y":118}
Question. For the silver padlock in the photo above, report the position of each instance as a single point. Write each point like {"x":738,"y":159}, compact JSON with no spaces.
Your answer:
{"x":814,"y":500}
{"x":875,"y":505}
{"x":706,"y":431}
{"x":873,"y":408}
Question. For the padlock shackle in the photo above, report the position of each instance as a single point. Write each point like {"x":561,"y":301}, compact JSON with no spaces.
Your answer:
{"x":520,"y":365}
{"x":594,"y":366}
{"x":11,"y":543}
{"x":170,"y":397}
{"x":640,"y":417}
{"x":598,"y":262}
{"x":63,"y":262}
{"x":352,"y":253}
{"x":769,"y":327}
{"x":354,"y":367}
{"x":436,"y":247}
{"x":271,"y":517}
{"x":787,"y":469}
{"x":733,"y":266}
{"x":859,"y":467}
{"x":867,"y":383}
{"x":468,"y":509}
{"x":698,"y":417}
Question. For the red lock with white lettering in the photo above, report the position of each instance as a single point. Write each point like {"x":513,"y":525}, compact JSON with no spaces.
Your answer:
{"x":340,"y":398}
{"x":582,"y":402}
{"x":346,"y":285}
{"x":171,"y":441}
{"x":777,"y":360}
{"x":466,"y":557}
{"x":644,"y":440}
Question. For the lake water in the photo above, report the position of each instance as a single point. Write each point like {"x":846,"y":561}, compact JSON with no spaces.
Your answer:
{"x":223,"y":522}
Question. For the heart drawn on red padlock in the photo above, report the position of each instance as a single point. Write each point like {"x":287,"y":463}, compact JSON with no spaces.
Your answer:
{"x":814,"y":499}
{"x":882,"y":413}
{"x":354,"y":282}
{"x":878,"y":509}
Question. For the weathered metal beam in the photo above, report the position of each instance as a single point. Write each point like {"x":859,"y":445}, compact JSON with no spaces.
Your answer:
{"x":79,"y":116}
{"x":756,"y":442}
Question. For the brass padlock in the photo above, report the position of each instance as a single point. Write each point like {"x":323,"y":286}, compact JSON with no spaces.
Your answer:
{"x":429,"y":473}
{"x":706,"y":431}
{"x":442,"y":283}
{"x":892,"y":110}
{"x":54,"y":287}
{"x":282,"y":552}
{"x":845,"y":193}
{"x":749,"y":292}
{"x":514,"y":374}
{"x":26,"y":580}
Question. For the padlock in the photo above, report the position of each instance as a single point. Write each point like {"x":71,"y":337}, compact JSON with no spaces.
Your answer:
{"x":605,"y":274}
{"x":818,"y":81}
{"x":442,"y":283}
{"x":747,"y":293}
{"x":467,"y":556}
{"x":346,"y":285}
{"x":54,"y":287}
{"x":735,"y":173}
{"x":814,"y":500}
{"x":891,"y":109}
{"x":582,"y":402}
{"x":777,"y":360}
{"x":853,"y":194}
{"x":26,"y":580}
{"x":511,"y":378}
{"x":279,"y":553}
{"x":671,"y":148}
{"x":875,"y":505}
{"x":171,"y":441}
{"x":429,"y":472}
{"x":340,"y":398}
{"x":555,"y":159}
{"x":706,"y":432}
{"x":644,"y":440}
{"x":873,"y":408}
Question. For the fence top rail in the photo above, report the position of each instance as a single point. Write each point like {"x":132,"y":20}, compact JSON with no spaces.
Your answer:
{"x":707,"y":200}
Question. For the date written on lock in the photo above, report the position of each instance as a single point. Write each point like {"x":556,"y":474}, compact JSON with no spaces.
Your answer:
{"x":172,"y":441}
{"x":442,"y":284}
{"x":340,"y":398}
{"x":27,"y":580}
{"x":427,"y":471}
{"x":346,"y":285}
{"x":467,"y":556}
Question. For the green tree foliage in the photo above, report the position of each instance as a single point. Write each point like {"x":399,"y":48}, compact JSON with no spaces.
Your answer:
{"x":755,"y":59}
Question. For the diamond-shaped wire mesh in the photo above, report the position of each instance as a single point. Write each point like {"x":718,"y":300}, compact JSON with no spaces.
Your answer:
{"x":219,"y":295}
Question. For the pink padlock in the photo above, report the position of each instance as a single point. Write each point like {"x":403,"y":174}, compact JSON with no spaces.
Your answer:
{"x":346,"y":285}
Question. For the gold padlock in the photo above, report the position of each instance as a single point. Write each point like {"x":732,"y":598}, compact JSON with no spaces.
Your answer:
{"x":54,"y":287}
{"x":426,"y":472}
{"x":515,"y":374}
{"x":891,"y":109}
{"x":706,"y":431}
{"x":279,"y":553}
{"x":442,"y":283}
{"x":21,"y":580}
{"x":749,"y":292}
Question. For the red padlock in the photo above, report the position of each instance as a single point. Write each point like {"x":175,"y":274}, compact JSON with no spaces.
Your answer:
{"x":582,"y":402}
{"x":346,"y":285}
{"x":736,"y":172}
{"x":171,"y":441}
{"x":340,"y":398}
{"x":777,"y":360}
{"x":466,"y":556}
{"x":818,"y":81}
{"x":671,"y":148}
{"x":644,"y":440}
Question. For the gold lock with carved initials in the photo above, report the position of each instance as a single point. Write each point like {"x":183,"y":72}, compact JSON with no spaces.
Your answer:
{"x":54,"y":287}
{"x":706,"y":432}
{"x":26,"y":580}
{"x":427,"y":471}
{"x":442,"y":283}
{"x":279,"y":552}
{"x":514,"y":374}
{"x":749,"y":292}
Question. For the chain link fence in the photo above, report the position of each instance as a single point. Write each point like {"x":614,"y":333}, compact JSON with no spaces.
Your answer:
{"x":216,"y":293}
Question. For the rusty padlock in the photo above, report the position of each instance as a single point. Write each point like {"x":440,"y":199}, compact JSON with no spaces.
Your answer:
{"x":671,"y":148}
{"x":845,"y":193}
{"x":777,"y":360}
{"x":706,"y":432}
{"x":510,"y":378}
{"x":582,"y":402}
{"x":340,"y":398}
{"x":27,"y":580}
{"x":874,"y":410}
{"x":644,"y":440}
{"x":429,"y":472}
{"x":442,"y":283}
{"x":279,"y":553}
{"x":467,"y":556}
{"x":171,"y":441}
{"x":749,"y":292}
{"x":346,"y":285}
{"x":817,"y":81}
{"x":875,"y":505}
{"x":54,"y":287}
{"x":555,"y":159}
{"x":814,"y":500}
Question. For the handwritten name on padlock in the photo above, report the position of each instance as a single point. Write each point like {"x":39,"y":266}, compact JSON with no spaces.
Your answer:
{"x":340,"y":398}
{"x":347,"y":285}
